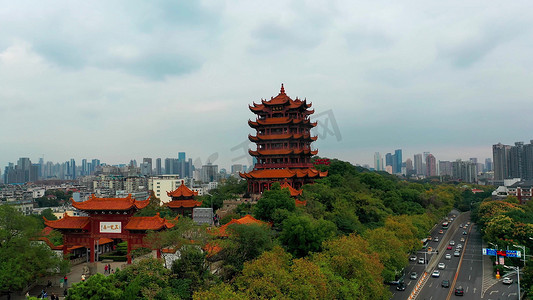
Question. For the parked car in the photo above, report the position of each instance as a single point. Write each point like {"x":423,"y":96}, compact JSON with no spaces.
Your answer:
{"x":441,"y":266}
{"x":445,"y":284}
{"x":459,"y":291}
{"x":448,"y":256}
{"x":401,"y":286}
{"x":413,"y":275}
{"x":412,"y":257}
{"x":452,"y":243}
{"x":435,"y":273}
{"x":507,"y":280}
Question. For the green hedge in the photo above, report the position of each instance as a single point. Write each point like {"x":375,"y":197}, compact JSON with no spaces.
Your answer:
{"x":113,"y":257}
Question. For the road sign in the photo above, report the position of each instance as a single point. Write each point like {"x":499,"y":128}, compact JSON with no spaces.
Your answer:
{"x":488,"y":251}
{"x":513,"y":253}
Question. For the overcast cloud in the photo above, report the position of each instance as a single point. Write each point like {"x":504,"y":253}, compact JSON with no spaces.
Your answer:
{"x":121,"y":80}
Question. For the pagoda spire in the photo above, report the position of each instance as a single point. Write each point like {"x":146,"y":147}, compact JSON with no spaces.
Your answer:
{"x":282,"y":91}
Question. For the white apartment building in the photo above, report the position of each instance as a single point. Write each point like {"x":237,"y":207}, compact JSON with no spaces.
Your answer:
{"x":163,"y":184}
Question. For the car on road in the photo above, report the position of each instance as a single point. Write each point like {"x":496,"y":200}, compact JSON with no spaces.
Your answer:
{"x":457,"y":253}
{"x":459,"y":246}
{"x":507,"y":280}
{"x":421,"y":260}
{"x":435,"y":273}
{"x":452,"y":243}
{"x":461,"y":225}
{"x":441,"y":231}
{"x":448,"y":256}
{"x":459,"y":291}
{"x":441,"y":266}
{"x":436,"y":239}
{"x":412,"y":257}
{"x":462,"y":239}
{"x":464,"y":233}
{"x":413,"y":275}
{"x":445,"y":284}
{"x":449,"y":247}
{"x":401,"y":286}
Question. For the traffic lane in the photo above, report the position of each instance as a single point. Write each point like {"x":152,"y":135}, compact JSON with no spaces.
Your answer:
{"x":470,"y":276}
{"x":503,"y":291}
{"x":413,"y":266}
{"x":435,"y":291}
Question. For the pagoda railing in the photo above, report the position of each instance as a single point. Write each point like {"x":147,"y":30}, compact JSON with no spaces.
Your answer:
{"x":283,"y":166}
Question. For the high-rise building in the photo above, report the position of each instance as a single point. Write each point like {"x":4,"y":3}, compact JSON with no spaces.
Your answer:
{"x":397,"y":161}
{"x":408,"y":166}
{"x":419,"y":165}
{"x":465,"y":171}
{"x":181,"y":156}
{"x":445,"y":168}
{"x":146,"y":167}
{"x":527,"y":161}
{"x":500,"y":155}
{"x":488,"y":164}
{"x":209,"y":173}
{"x":158,"y":170}
{"x":72,"y":169}
{"x":431,"y":165}
{"x":515,"y":165}
{"x":388,"y":159}
{"x":378,"y":162}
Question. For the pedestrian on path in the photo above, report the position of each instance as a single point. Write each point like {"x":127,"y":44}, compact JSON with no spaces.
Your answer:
{"x":106,"y":269}
{"x":82,"y":277}
{"x":65,"y":281}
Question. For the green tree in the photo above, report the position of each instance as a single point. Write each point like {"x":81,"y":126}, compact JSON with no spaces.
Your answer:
{"x":145,"y":279}
{"x":22,"y":259}
{"x":96,"y":287}
{"x":245,"y":242}
{"x":191,"y":268}
{"x":302,"y":234}
{"x":271,"y":200}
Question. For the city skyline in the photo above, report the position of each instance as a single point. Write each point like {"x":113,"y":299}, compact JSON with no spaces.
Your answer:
{"x":117,"y":81}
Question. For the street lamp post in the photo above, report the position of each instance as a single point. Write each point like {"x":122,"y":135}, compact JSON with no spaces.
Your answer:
{"x":496,"y":246}
{"x":523,"y":248}
{"x":518,"y":278}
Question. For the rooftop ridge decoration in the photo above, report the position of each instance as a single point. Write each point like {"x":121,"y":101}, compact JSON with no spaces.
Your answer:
{"x":115,"y":204}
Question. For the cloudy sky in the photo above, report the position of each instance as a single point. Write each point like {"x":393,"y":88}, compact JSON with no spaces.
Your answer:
{"x":121,"y":80}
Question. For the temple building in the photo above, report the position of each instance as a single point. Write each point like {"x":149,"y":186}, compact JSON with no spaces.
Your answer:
{"x":108,"y":218}
{"x":283,"y":139}
{"x":183,"y":200}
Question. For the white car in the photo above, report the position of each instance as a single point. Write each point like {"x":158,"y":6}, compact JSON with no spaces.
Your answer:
{"x":457,"y":253}
{"x":507,"y":280}
{"x":448,"y":256}
{"x":421,"y":260}
{"x":462,"y":239}
{"x":436,"y":239}
{"x":412,"y":258}
{"x":435,"y":273}
{"x":441,"y":266}
{"x":460,"y":246}
{"x":452,"y":243}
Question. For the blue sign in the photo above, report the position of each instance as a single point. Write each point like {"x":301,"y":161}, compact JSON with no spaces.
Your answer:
{"x":513,"y":253}
{"x":488,"y":251}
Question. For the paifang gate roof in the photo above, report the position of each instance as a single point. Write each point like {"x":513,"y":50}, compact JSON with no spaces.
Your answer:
{"x":68,"y":222}
{"x":148,"y":223}
{"x":123,"y":204}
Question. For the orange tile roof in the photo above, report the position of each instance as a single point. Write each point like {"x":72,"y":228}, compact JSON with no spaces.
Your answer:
{"x":183,"y":203}
{"x":68,"y":222}
{"x":268,"y":137}
{"x":282,"y":152}
{"x":182,"y":192}
{"x":283,"y":173}
{"x":300,"y":203}
{"x":94,"y":203}
{"x":248,"y":219}
{"x":148,"y":223}
{"x":294,"y":192}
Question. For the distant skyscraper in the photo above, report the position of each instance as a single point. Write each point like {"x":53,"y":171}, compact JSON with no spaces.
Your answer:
{"x":388,"y":160}
{"x":445,"y":168}
{"x":84,"y":167}
{"x":500,"y":157}
{"x":398,"y":161}
{"x":431,"y":165}
{"x":72,"y":171}
{"x":378,"y":162}
{"x":146,"y":168}
{"x":181,"y":155}
{"x":419,"y":165}
{"x":488,"y":164}
{"x":408,"y":166}
{"x":158,"y":170}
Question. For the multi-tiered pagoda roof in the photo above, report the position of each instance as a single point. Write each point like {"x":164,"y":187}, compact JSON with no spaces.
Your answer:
{"x":283,"y":138}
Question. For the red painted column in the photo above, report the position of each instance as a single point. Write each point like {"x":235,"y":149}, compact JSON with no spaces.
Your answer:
{"x":158,"y":253}
{"x":65,"y":250}
{"x":91,"y":245}
{"x":129,"y":251}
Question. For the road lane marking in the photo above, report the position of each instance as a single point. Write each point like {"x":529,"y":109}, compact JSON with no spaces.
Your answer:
{"x":493,"y":292}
